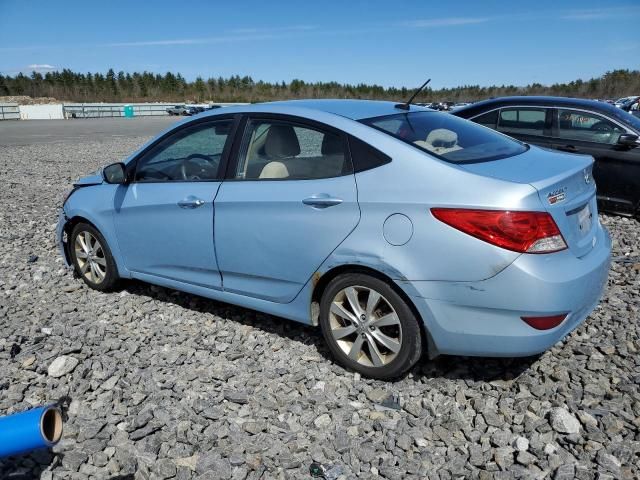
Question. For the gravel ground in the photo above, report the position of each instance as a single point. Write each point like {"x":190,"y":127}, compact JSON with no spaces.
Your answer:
{"x":164,"y":384}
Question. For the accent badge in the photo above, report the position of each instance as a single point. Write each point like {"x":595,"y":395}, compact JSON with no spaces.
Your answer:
{"x":557,"y":196}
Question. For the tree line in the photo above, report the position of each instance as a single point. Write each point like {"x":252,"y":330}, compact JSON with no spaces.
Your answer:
{"x":67,"y":85}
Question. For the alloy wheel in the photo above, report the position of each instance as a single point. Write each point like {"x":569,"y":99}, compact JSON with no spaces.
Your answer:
{"x":365,"y":326}
{"x":90,"y":257}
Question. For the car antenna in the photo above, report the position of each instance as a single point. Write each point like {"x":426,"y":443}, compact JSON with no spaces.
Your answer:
{"x":405,"y":106}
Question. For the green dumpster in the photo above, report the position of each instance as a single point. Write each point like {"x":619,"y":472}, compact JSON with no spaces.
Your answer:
{"x":128,"y":111}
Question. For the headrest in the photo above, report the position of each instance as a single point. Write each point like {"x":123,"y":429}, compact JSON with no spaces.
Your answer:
{"x":274,"y":170}
{"x":441,"y":137}
{"x":332,"y":145}
{"x":281,"y":142}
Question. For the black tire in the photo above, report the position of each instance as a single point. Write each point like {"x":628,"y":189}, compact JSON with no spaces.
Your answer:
{"x":111,"y":271}
{"x":410,"y":338}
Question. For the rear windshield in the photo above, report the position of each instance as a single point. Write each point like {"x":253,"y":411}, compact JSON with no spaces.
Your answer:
{"x":448,"y":137}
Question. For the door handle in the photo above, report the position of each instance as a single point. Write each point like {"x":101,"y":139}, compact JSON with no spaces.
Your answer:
{"x":322,"y":200}
{"x":567,"y":148}
{"x":191,"y":202}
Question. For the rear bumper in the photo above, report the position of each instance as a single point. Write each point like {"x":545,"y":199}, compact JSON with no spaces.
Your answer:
{"x":484,"y":318}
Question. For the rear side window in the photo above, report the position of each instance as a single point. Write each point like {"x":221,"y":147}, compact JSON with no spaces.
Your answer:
{"x":489,"y":119}
{"x":447,"y":137}
{"x":365,"y":157}
{"x":280,"y":150}
{"x":587,"y":127}
{"x":523,"y":121}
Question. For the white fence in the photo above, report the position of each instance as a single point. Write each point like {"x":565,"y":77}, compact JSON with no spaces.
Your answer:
{"x":100,"y":110}
{"x":9,"y":111}
{"x":41,"y":112}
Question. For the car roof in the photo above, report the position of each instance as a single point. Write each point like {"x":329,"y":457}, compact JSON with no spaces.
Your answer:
{"x":531,"y":100}
{"x":603,"y":108}
{"x":352,"y":109}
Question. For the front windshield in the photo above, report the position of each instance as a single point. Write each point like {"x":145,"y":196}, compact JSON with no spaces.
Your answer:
{"x":629,"y":118}
{"x":625,"y":117}
{"x":448,"y":137}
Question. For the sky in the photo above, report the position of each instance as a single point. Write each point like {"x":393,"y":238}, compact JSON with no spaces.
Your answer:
{"x":390,"y":43}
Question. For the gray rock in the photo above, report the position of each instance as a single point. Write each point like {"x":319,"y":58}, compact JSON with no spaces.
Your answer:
{"x":62,"y":365}
{"x":236,"y":396}
{"x":221,"y":391}
{"x":503,"y":457}
{"x":521,"y":444}
{"x":525,"y":458}
{"x":165,"y":468}
{"x":608,"y":462}
{"x":565,"y":472}
{"x":214,"y":464}
{"x":377,"y":395}
{"x":493,"y":419}
{"x":563,"y":422}
{"x":73,"y":459}
{"x":322,"y":421}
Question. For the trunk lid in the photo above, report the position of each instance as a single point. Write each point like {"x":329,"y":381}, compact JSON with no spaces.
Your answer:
{"x":565,"y":186}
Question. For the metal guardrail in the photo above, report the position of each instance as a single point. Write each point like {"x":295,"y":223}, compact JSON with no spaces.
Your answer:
{"x":9,"y":111}
{"x":101,"y":110}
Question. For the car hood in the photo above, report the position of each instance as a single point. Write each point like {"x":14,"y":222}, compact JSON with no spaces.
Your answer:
{"x":93,"y":179}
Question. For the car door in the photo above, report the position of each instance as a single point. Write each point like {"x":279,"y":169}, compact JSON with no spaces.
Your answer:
{"x":164,"y":216}
{"x":616,"y":169}
{"x":289,"y":200}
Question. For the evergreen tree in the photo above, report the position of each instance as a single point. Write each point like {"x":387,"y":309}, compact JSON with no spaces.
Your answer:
{"x":66,"y":85}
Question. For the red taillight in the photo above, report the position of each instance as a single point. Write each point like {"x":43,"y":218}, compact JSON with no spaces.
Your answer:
{"x":524,"y":232}
{"x":545,"y":323}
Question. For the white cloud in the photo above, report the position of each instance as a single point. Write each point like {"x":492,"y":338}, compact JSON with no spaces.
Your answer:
{"x":27,"y":69}
{"x":445,"y":22}
{"x":40,"y":66}
{"x":235,"y":35}
{"x":189,"y":41}
{"x":600,"y":13}
{"x":293,"y":28}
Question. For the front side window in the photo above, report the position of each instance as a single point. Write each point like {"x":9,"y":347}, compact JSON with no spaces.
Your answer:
{"x":279,"y":150}
{"x":191,"y":154}
{"x":448,"y":137}
{"x":587,"y":127}
{"x":522,"y":121}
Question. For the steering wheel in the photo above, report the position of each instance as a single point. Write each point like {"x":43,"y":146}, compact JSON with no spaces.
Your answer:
{"x":189,"y":163}
{"x":601,"y":127}
{"x":157,"y":174}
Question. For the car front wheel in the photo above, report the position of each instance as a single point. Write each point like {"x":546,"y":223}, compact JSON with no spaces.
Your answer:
{"x":92,"y":259}
{"x":368,"y":327}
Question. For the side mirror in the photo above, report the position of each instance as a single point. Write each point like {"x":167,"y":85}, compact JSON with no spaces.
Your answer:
{"x":628,"y":140}
{"x":114,"y":173}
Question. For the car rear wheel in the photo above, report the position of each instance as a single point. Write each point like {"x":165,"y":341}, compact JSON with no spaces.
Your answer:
{"x":368,"y":327}
{"x":92,"y":259}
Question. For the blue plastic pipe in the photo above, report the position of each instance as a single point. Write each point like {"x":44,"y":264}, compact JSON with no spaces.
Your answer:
{"x":26,"y":431}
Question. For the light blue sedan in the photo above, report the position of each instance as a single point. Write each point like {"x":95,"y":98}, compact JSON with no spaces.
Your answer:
{"x":397,"y":231}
